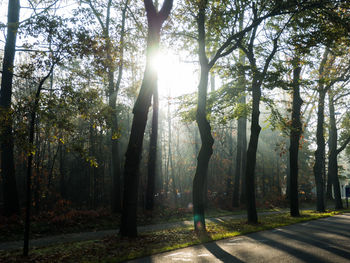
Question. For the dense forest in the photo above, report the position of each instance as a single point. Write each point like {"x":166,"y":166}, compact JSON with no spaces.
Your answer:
{"x":134,"y":107}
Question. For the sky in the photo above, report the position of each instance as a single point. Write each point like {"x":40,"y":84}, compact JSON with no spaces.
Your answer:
{"x":175,"y":75}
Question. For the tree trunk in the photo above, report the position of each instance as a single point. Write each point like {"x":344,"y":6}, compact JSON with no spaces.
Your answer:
{"x":230,"y":176}
{"x":115,"y":158}
{"x":151,"y":178}
{"x":319,"y":166}
{"x":251,"y":156}
{"x":241,"y":133}
{"x":63,"y":188}
{"x":320,"y":153}
{"x":244,"y":154}
{"x":206,"y":150}
{"x":295,"y":134}
{"x":29,"y":165}
{"x":134,"y":150}
{"x":170,"y":164}
{"x":332,"y":158}
{"x":11,"y":202}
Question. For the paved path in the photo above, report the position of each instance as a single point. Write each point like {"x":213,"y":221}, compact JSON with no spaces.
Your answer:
{"x":323,"y":240}
{"x":84,"y":236}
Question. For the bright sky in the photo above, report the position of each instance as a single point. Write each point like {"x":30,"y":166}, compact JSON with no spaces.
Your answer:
{"x":174,"y":75}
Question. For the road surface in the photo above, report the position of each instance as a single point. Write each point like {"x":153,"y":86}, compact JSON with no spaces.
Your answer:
{"x":323,"y":240}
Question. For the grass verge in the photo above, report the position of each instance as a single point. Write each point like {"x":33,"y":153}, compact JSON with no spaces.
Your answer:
{"x":75,"y":221}
{"x":117,"y":249}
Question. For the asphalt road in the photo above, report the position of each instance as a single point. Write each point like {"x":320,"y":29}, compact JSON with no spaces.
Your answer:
{"x":324,"y":240}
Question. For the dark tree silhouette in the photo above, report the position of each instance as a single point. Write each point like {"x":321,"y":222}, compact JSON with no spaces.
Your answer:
{"x":133,"y":154}
{"x":11,"y":203}
{"x":295,"y":134}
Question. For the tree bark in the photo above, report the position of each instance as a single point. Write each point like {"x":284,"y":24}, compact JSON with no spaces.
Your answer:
{"x":320,"y":141}
{"x":134,"y":150}
{"x":206,"y":150}
{"x":243,"y":127}
{"x":320,"y":154}
{"x":332,"y":158}
{"x":257,"y":81}
{"x":11,"y":202}
{"x":151,"y":178}
{"x":251,"y":155}
{"x":29,"y":164}
{"x":116,"y":162}
{"x":295,"y":134}
{"x":241,"y":133}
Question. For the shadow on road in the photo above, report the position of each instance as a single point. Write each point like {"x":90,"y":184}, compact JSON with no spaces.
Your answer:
{"x":217,"y":251}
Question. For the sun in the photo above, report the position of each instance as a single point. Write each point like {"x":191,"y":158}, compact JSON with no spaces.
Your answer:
{"x":175,"y":76}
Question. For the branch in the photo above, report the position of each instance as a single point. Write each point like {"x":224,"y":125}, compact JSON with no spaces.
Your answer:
{"x":250,"y":55}
{"x":97,"y":16}
{"x":36,"y":14}
{"x":269,"y":58}
{"x":135,"y":20}
{"x":165,"y":10}
{"x":239,"y":35}
{"x":108,"y":17}
{"x":150,"y":9}
{"x":343,"y":146}
{"x":183,"y":34}
{"x":341,"y":96}
{"x":122,"y":46}
{"x":344,"y":77}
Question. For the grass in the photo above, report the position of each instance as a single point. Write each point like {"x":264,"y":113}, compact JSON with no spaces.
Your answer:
{"x":75,"y":221}
{"x":117,"y":249}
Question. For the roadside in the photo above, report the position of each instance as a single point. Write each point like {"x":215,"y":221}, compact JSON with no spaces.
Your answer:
{"x":113,"y":248}
{"x":85,"y":236}
{"x":327,"y":240}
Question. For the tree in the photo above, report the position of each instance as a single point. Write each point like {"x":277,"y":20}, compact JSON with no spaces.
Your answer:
{"x":241,"y":135}
{"x":113,"y":89}
{"x":319,"y":166}
{"x":258,"y":77}
{"x":334,"y":95}
{"x":152,"y":159}
{"x":295,"y":133}
{"x":11,"y":203}
{"x":155,"y":21}
{"x":31,"y":125}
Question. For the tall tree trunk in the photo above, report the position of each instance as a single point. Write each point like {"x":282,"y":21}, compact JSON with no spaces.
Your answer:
{"x":257,"y":81}
{"x":230,"y":176}
{"x":206,"y":150}
{"x":63,"y":188}
{"x":288,"y":176}
{"x":320,"y":154}
{"x":11,"y":203}
{"x":152,"y":161}
{"x":332,"y":158}
{"x":295,"y":134}
{"x":243,"y":129}
{"x":329,"y":185}
{"x":134,"y":150}
{"x":251,"y":156}
{"x":115,"y":158}
{"x":170,"y":164}
{"x":241,"y":133}
{"x":30,"y":163}
{"x":320,"y":141}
